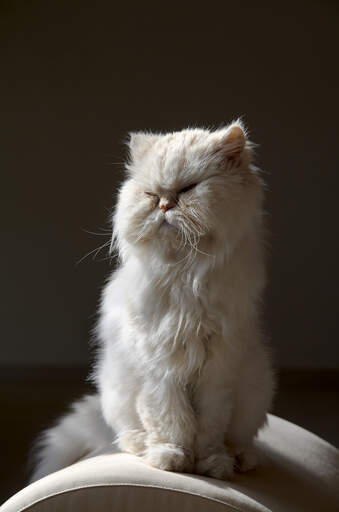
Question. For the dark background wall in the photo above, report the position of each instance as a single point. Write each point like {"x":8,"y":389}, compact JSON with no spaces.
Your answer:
{"x":77,"y":76}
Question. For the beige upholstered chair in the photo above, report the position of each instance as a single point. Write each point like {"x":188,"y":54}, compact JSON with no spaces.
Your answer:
{"x":298,"y":472}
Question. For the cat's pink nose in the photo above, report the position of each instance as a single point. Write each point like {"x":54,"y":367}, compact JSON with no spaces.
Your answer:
{"x":166,"y":206}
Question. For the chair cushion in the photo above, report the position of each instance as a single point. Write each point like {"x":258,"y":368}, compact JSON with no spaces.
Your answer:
{"x":297,"y":471}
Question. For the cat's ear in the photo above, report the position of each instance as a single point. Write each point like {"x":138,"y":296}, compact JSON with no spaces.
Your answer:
{"x":231,"y":141}
{"x":139,"y":143}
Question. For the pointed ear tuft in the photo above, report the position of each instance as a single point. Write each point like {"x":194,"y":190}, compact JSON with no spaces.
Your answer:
{"x":139,"y":143}
{"x":232,"y":142}
{"x":235,"y":140}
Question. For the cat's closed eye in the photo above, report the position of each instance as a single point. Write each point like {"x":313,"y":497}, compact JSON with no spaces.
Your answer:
{"x":181,"y":191}
{"x":151,"y":194}
{"x":188,"y":188}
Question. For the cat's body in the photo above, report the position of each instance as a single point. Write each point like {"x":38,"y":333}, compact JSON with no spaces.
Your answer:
{"x":183,"y":375}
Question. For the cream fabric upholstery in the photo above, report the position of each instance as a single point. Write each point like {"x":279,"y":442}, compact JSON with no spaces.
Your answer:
{"x":298,"y":471}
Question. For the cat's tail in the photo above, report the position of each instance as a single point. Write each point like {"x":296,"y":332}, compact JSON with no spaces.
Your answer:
{"x":75,"y":435}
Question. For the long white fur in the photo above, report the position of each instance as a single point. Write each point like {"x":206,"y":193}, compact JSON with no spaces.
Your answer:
{"x":183,"y":375}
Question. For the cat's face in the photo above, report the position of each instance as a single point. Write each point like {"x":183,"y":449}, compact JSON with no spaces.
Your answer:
{"x":188,"y":191}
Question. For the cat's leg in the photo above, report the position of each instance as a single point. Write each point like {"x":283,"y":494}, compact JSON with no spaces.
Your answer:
{"x":119,"y":410}
{"x":168,"y":418}
{"x":213,"y":404}
{"x":252,"y":398}
{"x":118,"y":386}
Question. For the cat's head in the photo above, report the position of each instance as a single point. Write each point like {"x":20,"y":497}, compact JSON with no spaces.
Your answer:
{"x":193,"y":191}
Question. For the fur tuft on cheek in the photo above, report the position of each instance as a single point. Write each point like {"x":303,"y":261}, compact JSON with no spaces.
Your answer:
{"x":131,"y":221}
{"x":193,"y":221}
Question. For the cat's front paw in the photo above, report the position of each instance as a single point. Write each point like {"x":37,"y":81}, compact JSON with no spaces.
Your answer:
{"x":247,"y":460}
{"x":132,"y":441}
{"x":217,"y":465}
{"x":169,"y":457}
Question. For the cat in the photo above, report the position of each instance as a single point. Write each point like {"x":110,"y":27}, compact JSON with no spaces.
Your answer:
{"x":183,"y":372}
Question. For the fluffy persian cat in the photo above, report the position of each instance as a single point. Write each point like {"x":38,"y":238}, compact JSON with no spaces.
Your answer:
{"x":183,"y":375}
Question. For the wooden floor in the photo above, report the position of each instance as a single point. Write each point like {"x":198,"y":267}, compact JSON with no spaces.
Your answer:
{"x":31,"y":398}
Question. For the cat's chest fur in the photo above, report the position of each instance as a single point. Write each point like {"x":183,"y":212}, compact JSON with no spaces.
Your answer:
{"x":176,"y":316}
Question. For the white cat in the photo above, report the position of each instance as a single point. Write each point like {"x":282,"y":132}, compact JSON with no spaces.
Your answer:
{"x":183,"y":375}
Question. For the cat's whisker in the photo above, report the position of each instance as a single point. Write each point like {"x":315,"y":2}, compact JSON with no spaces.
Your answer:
{"x":105,"y":233}
{"x":184,"y":238}
{"x":107,"y":258}
{"x":183,"y":259}
{"x":194,"y":245}
{"x":141,"y":234}
{"x":205,"y":253}
{"x":94,"y":251}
